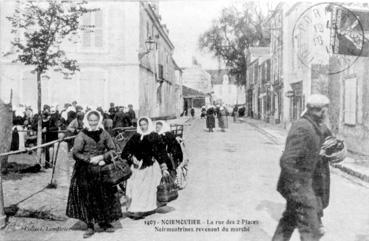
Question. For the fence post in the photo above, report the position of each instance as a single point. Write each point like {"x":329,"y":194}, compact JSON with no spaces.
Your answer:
{"x":2,"y":212}
{"x":5,"y":140}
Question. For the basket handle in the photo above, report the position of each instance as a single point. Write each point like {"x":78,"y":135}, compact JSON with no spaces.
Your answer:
{"x":113,"y":156}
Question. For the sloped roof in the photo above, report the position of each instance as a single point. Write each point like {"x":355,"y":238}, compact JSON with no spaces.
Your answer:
{"x":191,"y":93}
{"x":217,"y":76}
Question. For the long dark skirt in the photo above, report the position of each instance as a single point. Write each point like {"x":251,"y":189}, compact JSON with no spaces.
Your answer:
{"x":210,"y":121}
{"x":223,"y":122}
{"x":89,"y":199}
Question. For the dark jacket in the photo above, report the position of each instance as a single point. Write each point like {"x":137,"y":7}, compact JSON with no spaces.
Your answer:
{"x":304,"y":174}
{"x":174,"y":150}
{"x":121,"y":119}
{"x":149,"y":149}
{"x":52,"y":128}
{"x":132,"y":115}
{"x":210,"y":118}
{"x":90,"y":199}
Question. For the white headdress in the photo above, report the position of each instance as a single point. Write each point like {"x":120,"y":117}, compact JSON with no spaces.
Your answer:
{"x":150,"y":127}
{"x":87,"y":125}
{"x":165,"y":128}
{"x":19,"y":111}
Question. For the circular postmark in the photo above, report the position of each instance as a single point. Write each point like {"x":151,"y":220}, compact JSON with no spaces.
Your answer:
{"x":326,"y":30}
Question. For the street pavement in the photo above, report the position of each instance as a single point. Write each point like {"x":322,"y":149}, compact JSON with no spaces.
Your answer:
{"x":232,"y":182}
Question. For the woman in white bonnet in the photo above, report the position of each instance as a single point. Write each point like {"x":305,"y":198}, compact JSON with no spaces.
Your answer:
{"x":172,"y":146}
{"x":91,"y":200}
{"x":147,"y":156}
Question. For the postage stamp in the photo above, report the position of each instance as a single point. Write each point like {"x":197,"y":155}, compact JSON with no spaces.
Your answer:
{"x":337,"y":31}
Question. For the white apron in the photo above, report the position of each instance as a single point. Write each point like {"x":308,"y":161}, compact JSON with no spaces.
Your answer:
{"x":141,"y":188}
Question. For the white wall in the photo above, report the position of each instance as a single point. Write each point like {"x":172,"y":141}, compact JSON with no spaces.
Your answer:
{"x":230,"y":94}
{"x":197,"y":78}
{"x":108,"y":74}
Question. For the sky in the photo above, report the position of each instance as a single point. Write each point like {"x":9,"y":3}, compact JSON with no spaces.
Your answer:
{"x":186,"y":21}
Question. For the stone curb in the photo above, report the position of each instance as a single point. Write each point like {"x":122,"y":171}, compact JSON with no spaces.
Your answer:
{"x":341,"y":167}
{"x":351,"y":172}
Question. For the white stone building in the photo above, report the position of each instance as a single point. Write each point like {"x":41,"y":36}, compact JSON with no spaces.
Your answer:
{"x":111,"y":68}
{"x":226,"y":89}
{"x":197,"y":78}
{"x":305,"y":42}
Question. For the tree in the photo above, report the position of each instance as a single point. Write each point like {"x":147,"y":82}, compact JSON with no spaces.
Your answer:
{"x":232,"y":34}
{"x":40,"y":28}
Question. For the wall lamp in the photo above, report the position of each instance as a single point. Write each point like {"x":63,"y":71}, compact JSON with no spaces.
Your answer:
{"x":150,"y":45}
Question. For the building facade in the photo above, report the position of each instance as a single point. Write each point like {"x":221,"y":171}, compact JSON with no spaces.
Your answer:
{"x":112,"y":66}
{"x":276,"y":84}
{"x":197,"y":78}
{"x":255,"y":56}
{"x":226,"y":89}
{"x":348,"y":89}
{"x":305,"y":56}
{"x":266,"y":95}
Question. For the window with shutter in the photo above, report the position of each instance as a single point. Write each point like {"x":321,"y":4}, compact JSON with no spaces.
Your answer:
{"x":93,"y":38}
{"x":86,"y":35}
{"x":161,"y":72}
{"x":98,"y":29}
{"x":350,"y":95}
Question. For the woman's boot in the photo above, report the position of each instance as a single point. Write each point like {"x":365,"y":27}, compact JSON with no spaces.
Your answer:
{"x":90,"y":231}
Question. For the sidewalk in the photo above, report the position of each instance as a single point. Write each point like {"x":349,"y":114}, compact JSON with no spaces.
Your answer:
{"x":351,"y":166}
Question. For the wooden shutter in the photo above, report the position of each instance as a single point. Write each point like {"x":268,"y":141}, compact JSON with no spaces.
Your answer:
{"x":350,"y":101}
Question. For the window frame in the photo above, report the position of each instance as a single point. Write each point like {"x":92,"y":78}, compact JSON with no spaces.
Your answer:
{"x":350,"y":105}
{"x":104,"y":32}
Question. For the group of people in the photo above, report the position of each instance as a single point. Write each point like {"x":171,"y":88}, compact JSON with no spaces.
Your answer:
{"x":68,"y":120}
{"x":220,"y":112}
{"x":152,"y":152}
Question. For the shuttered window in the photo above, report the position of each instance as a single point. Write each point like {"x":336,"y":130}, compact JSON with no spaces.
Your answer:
{"x":93,"y":38}
{"x":350,"y":106}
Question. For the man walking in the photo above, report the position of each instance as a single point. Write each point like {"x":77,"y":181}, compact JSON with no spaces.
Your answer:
{"x":304,"y":178}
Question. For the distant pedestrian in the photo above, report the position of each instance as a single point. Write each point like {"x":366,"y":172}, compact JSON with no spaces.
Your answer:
{"x":49,"y":133}
{"x":235,"y":113}
{"x":210,"y":118}
{"x":108,"y":123}
{"x":203,"y":112}
{"x":132,"y":115}
{"x":192,"y":112}
{"x":121,"y":118}
{"x":90,"y":200}
{"x":112,"y":110}
{"x":304,"y":179}
{"x":74,"y":128}
{"x":222,"y":114}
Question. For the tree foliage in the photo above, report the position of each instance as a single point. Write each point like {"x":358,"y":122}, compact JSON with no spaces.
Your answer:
{"x":233,"y":33}
{"x":40,"y":28}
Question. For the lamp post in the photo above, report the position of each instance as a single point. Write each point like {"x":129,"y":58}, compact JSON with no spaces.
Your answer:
{"x":150,"y":45}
